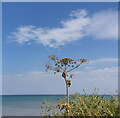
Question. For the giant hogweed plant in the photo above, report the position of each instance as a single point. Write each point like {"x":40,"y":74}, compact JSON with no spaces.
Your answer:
{"x":64,"y":66}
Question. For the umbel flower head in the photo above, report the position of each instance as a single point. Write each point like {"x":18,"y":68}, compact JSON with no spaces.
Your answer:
{"x":48,"y":66}
{"x":66,"y":61}
{"x":53,"y":57}
{"x":63,"y":65}
{"x":83,"y":60}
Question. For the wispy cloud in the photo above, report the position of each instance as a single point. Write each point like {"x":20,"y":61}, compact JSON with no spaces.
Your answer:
{"x":104,"y":60}
{"x":101,"y":74}
{"x":101,"y":63}
{"x":35,"y":75}
{"x":100,"y":25}
{"x":96,"y":74}
{"x":106,"y":79}
{"x":104,"y":25}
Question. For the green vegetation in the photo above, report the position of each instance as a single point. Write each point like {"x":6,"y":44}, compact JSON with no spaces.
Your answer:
{"x":88,"y":105}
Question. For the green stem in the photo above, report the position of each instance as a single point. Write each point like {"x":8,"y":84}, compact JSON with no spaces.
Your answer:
{"x":67,"y":93}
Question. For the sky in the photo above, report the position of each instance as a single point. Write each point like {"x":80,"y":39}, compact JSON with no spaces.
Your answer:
{"x":33,"y":31}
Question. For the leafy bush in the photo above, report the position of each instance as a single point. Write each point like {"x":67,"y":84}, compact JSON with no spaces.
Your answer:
{"x":88,"y":105}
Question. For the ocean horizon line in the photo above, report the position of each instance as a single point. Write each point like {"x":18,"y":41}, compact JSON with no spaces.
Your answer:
{"x":54,"y":94}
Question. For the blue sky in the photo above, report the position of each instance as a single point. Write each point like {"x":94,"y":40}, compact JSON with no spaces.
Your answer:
{"x":32,"y":31}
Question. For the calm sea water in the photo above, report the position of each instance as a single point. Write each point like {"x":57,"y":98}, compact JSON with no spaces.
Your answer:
{"x":28,"y":105}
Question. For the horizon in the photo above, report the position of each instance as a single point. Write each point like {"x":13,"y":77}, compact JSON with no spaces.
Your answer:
{"x":55,"y":94}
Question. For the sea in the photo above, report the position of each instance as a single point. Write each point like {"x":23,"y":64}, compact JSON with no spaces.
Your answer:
{"x":28,"y":105}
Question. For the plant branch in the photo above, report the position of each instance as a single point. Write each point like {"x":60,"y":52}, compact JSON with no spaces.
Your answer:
{"x":65,"y":68}
{"x":59,"y":66}
{"x":75,"y":67}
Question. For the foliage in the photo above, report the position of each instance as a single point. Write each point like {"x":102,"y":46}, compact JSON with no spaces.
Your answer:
{"x":87,"y":105}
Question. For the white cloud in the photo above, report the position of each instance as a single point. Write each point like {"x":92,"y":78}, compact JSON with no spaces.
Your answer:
{"x":100,"y":25}
{"x":106,"y":80}
{"x":38,"y":82}
{"x":101,"y":63}
{"x":105,"y":60}
{"x":104,"y":25}
{"x":35,"y":75}
{"x":104,"y":74}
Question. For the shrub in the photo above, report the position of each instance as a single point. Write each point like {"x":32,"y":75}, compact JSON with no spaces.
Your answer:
{"x":87,"y":105}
